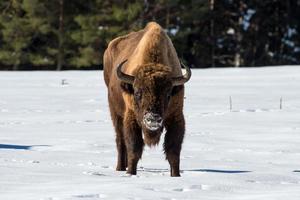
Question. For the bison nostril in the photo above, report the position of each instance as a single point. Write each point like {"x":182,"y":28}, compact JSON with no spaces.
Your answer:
{"x":158,"y":119}
{"x":152,"y":118}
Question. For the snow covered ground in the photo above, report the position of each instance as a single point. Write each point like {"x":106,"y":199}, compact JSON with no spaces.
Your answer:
{"x":57,"y":141}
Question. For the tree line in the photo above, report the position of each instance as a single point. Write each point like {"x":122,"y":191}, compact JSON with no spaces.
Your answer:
{"x":61,"y":34}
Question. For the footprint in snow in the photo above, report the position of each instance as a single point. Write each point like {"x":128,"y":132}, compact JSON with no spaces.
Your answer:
{"x":106,"y":167}
{"x":93,"y":173}
{"x":166,"y":198}
{"x":186,"y":157}
{"x":134,"y":198}
{"x":183,"y":189}
{"x":192,"y":188}
{"x":203,"y":133}
{"x":130,"y":176}
{"x":89,"y":196}
{"x":254,"y":110}
{"x":87,"y":164}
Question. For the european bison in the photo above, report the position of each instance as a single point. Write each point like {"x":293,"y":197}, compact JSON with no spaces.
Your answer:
{"x":145,"y":93}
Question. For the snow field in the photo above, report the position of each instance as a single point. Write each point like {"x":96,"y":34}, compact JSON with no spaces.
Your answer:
{"x":57,"y":141}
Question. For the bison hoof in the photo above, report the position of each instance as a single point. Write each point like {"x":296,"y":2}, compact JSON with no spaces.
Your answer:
{"x":175,"y":175}
{"x":120,"y":168}
{"x":131,"y":172}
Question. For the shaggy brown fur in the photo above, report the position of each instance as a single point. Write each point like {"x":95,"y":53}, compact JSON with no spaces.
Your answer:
{"x":153,"y":61}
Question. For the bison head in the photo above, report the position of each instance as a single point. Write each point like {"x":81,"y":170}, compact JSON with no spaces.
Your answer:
{"x":151,"y":90}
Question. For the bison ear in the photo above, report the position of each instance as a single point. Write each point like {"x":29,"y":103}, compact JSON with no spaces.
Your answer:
{"x":127,"y":87}
{"x":176,"y":89}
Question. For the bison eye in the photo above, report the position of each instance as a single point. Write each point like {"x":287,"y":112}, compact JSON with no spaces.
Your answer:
{"x":169,"y":96}
{"x":138,"y":96}
{"x":126,"y":87}
{"x":176,"y":90}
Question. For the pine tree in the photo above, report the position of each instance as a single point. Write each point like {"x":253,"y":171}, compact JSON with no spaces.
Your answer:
{"x":270,"y":38}
{"x":59,"y":34}
{"x":15,"y":34}
{"x":25,"y":34}
{"x":100,"y":22}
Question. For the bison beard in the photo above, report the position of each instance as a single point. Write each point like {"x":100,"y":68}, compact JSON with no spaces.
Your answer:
{"x":147,"y":99}
{"x":151,"y":138}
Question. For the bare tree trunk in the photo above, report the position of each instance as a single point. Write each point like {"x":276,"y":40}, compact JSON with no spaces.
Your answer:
{"x":167,"y":17}
{"x":254,"y":48}
{"x":237,"y":57}
{"x":16,"y":59}
{"x":212,"y":34}
{"x":277,"y":35}
{"x":60,"y":56}
{"x":16,"y":66}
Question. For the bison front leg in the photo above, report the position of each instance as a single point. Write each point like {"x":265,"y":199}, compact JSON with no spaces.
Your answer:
{"x":122,"y":156}
{"x":133,"y":140}
{"x":173,"y":140}
{"x":118,"y":124}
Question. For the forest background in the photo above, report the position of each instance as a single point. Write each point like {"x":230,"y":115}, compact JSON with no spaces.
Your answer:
{"x":63,"y":35}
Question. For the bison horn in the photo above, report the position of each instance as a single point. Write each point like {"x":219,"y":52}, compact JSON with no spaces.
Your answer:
{"x":182,"y":79}
{"x":122,"y":76}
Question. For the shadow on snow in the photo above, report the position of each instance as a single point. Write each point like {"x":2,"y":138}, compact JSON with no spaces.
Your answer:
{"x":217,"y":171}
{"x":154,"y":170}
{"x":20,"y":147}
